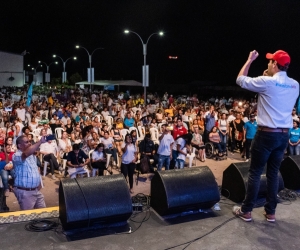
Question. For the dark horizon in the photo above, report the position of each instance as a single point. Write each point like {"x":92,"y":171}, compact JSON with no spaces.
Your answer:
{"x":211,"y":39}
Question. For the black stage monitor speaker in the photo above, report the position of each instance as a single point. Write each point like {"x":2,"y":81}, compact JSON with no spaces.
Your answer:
{"x":235,"y":179}
{"x":94,"y":201}
{"x":179,"y":190}
{"x":290,"y":172}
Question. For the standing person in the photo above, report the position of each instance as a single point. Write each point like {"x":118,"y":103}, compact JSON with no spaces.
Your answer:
{"x":210,"y":121}
{"x":250,"y":129}
{"x":223,"y":128}
{"x":165,"y":148}
{"x":129,"y":158}
{"x":237,"y":133}
{"x":294,"y":139}
{"x":27,"y":183}
{"x":277,"y":94}
{"x":179,"y":129}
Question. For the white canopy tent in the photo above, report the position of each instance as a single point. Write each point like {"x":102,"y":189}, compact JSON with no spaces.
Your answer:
{"x":109,"y":82}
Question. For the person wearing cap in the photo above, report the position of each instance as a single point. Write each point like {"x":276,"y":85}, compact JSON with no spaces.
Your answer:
{"x":250,"y":129}
{"x":277,"y":95}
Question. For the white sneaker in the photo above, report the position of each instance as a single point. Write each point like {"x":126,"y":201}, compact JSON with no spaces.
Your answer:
{"x":246,"y":160}
{"x":53,"y":177}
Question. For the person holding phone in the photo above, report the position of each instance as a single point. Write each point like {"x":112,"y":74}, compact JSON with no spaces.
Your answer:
{"x":27,"y":183}
{"x":99,"y":159}
{"x":129,"y":158}
{"x":164,"y":151}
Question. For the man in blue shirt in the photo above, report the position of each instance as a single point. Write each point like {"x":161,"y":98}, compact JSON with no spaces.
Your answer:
{"x":250,"y":129}
{"x":128,"y":121}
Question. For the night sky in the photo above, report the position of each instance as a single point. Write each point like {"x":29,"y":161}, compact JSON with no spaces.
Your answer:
{"x":212,"y":39}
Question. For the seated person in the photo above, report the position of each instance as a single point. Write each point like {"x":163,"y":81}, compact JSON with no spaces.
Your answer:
{"x":51,"y":153}
{"x":147,"y":147}
{"x":77,"y":161}
{"x":214,"y":137}
{"x":99,"y":159}
{"x":198,"y":144}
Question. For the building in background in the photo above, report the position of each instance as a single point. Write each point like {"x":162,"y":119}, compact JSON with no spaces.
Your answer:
{"x":11,"y":69}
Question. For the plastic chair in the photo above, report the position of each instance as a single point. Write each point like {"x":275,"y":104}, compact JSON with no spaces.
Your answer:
{"x":124,"y":132}
{"x":58,"y":133}
{"x":191,"y":157}
{"x":154,"y":135}
{"x":94,"y":170}
{"x":142,"y":132}
{"x":109,"y":120}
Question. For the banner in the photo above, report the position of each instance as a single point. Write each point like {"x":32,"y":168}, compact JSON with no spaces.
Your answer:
{"x":29,"y":94}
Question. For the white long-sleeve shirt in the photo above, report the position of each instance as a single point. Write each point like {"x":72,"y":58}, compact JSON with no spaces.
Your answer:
{"x":276,"y":99}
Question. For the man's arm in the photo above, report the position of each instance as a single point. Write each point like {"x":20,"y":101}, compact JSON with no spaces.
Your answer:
{"x":244,"y":70}
{"x":33,"y":148}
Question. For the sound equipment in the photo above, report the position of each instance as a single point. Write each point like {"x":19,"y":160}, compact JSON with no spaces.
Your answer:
{"x":3,"y":206}
{"x":235,"y":179}
{"x":179,"y":190}
{"x":94,"y":201}
{"x":290,"y":172}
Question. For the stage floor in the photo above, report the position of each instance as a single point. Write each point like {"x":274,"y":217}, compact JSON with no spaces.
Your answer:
{"x":159,"y":233}
{"x":165,"y":233}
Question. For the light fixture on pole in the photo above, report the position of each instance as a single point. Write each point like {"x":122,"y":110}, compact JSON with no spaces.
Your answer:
{"x":145,"y":67}
{"x":34,"y":69}
{"x":47,"y":75}
{"x":90,"y":69}
{"x":64,"y":73}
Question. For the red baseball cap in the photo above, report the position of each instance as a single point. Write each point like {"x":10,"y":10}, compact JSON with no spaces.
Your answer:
{"x":280,"y":56}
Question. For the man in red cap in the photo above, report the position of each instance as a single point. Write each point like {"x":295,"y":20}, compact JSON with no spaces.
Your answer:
{"x":277,"y":95}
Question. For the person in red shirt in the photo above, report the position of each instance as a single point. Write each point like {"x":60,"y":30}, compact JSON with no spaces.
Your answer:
{"x":179,"y":129}
{"x":6,"y":167}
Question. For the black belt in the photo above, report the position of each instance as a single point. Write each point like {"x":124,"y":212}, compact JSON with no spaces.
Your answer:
{"x":276,"y":130}
{"x":28,"y":189}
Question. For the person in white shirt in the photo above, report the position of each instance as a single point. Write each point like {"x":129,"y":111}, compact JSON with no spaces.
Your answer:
{"x":51,"y":153}
{"x":99,"y":159}
{"x":21,"y":113}
{"x":165,"y":148}
{"x":65,"y":118}
{"x":105,"y":112}
{"x":277,"y":95}
{"x":129,"y":158}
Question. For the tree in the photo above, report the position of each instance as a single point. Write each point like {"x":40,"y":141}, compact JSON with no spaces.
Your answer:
{"x":75,"y":78}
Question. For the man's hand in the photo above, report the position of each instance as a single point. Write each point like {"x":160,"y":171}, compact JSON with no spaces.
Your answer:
{"x":43,"y":139}
{"x":266,"y":73}
{"x":253,"y":55}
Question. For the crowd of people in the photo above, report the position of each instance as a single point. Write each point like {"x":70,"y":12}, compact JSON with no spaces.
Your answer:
{"x":91,"y":130}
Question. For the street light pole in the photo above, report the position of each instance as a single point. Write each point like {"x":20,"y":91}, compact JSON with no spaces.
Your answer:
{"x":34,"y":77}
{"x":145,"y":67}
{"x":64,"y":74}
{"x":91,"y":78}
{"x":47,"y":78}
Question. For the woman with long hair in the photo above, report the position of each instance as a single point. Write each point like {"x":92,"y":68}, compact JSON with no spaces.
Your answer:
{"x":129,"y":158}
{"x":87,"y":138}
{"x":116,"y":134}
{"x":99,"y":159}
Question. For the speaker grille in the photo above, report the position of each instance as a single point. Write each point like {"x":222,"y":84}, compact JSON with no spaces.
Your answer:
{"x":235,"y":179}
{"x":178,"y":190}
{"x":102,"y":199}
{"x":290,"y":172}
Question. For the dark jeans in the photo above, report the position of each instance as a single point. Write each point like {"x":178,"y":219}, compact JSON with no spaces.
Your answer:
{"x":267,"y":147}
{"x":128,"y":169}
{"x":247,"y":147}
{"x":235,"y":143}
{"x":53,"y":162}
{"x":174,"y":157}
{"x":220,"y":146}
{"x":100,"y":165}
{"x":112,"y":151}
